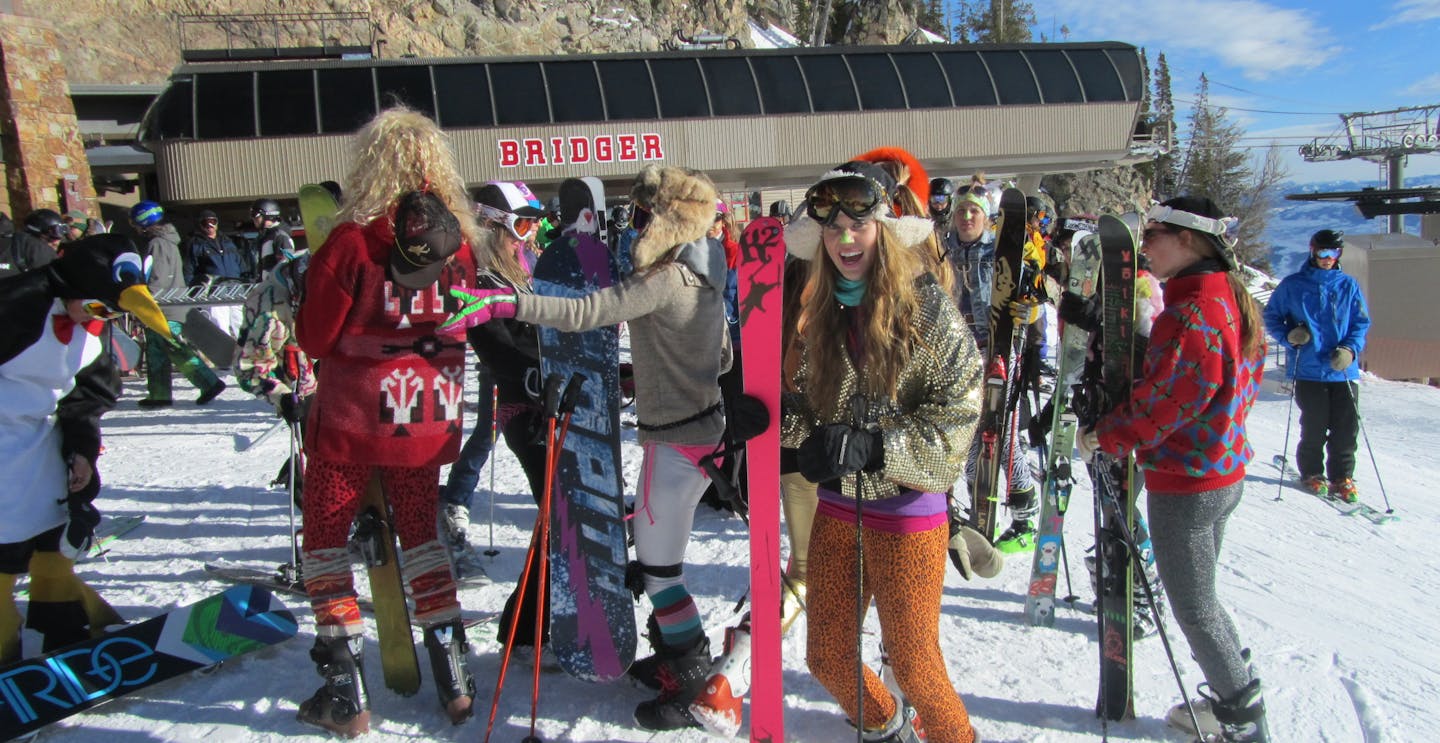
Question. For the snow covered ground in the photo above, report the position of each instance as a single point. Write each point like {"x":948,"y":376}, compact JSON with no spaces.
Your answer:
{"x":1340,"y":612}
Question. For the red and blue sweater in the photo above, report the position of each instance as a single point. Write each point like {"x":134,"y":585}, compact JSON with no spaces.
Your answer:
{"x":1185,"y":419}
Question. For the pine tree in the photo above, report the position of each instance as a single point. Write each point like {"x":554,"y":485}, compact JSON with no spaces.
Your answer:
{"x":1166,"y":177}
{"x":930,"y":15}
{"x":995,"y":21}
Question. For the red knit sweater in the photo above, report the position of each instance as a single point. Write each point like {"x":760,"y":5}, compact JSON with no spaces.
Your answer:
{"x":389,"y":387}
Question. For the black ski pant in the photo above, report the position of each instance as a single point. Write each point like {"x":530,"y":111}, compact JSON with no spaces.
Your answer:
{"x":1329,"y":427}
{"x":519,"y":433}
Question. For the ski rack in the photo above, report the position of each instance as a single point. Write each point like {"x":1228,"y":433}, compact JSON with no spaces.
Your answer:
{"x":227,"y":293}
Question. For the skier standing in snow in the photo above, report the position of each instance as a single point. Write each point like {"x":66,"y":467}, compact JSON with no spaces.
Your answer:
{"x":1320,"y":315}
{"x":388,"y":400}
{"x":887,"y":377}
{"x":680,"y":345}
{"x":1185,"y":421}
{"x":56,"y":381}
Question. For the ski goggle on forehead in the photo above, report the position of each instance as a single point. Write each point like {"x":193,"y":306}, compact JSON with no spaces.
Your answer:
{"x":519,"y":227}
{"x":857,"y":196}
{"x":1226,"y":228}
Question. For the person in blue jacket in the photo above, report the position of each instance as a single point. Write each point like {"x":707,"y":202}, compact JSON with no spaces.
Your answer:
{"x":1321,"y":315}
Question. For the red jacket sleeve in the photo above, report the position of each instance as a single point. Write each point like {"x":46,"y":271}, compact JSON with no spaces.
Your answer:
{"x":328,"y":299}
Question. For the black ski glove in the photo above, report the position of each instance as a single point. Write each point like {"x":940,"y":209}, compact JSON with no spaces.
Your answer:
{"x":745,"y":418}
{"x":288,"y":409}
{"x":1080,"y":312}
{"x":837,"y":450}
{"x":80,"y":529}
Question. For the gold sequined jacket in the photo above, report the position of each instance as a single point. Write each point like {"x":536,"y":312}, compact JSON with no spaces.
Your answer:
{"x":927,"y":429}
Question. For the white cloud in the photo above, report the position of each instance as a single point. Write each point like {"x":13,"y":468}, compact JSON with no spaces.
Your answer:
{"x":1411,"y":11}
{"x":1428,"y":86}
{"x":1255,"y":37}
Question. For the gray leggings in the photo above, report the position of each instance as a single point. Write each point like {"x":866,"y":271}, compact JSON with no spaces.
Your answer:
{"x":1186,"y":530}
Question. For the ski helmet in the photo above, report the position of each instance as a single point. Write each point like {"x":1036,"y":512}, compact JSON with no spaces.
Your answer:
{"x":942,"y":197}
{"x":1328,"y":240}
{"x":147,"y":214}
{"x":780,"y":209}
{"x":46,"y":223}
{"x":268,"y":208}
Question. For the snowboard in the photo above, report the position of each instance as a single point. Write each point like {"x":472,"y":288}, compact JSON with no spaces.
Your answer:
{"x":1055,"y":497}
{"x":1116,"y":481}
{"x":592,"y":613}
{"x":374,"y":526}
{"x":317,"y":212}
{"x":36,"y":692}
{"x":210,"y":339}
{"x":1002,"y":359}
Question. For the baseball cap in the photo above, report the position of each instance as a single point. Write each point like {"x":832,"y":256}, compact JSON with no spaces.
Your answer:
{"x":426,"y":235}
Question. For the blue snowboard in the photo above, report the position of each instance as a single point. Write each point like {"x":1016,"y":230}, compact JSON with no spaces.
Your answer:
{"x":592,"y":613}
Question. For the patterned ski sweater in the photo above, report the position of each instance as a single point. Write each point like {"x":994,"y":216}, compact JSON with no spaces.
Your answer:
{"x":1185,"y":419}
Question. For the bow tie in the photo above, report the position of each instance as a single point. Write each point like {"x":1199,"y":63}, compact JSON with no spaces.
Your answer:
{"x":65,"y":327}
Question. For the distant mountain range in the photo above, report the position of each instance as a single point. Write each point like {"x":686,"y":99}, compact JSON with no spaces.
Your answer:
{"x":1293,"y":222}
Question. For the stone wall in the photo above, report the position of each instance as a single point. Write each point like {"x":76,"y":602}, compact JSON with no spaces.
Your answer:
{"x":1115,"y":191}
{"x":45,"y":165}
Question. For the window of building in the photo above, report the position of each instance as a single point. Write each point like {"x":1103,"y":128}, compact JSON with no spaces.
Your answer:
{"x":574,"y":92}
{"x":732,"y":88}
{"x":287,"y":102}
{"x":1127,"y":63}
{"x":1058,"y":83}
{"x":629,"y":92}
{"x":1013,"y":79}
{"x":831,"y":88}
{"x":173,"y":117}
{"x":925,"y":85}
{"x":1098,"y":76}
{"x":347,"y":98}
{"x":523,"y":88}
{"x":782,"y":88}
{"x":970,"y":81}
{"x":680,"y":88}
{"x":225,"y":105}
{"x":462,"y":93}
{"x":408,"y":85}
{"x":878,"y":82}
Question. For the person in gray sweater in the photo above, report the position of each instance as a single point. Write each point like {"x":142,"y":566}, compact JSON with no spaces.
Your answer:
{"x":679,"y":346}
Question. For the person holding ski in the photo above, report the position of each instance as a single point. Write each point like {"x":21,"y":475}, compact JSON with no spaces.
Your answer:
{"x":1320,"y":315}
{"x":887,"y":377}
{"x":679,"y":344}
{"x":1185,"y":421}
{"x":388,"y":403}
{"x":56,"y":381}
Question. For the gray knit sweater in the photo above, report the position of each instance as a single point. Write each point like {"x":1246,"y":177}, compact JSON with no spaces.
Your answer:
{"x":678,"y":339}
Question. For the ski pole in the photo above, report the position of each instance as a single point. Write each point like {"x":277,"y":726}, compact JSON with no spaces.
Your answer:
{"x":494,"y":419}
{"x":552,"y":393}
{"x":292,"y":368}
{"x":1285,"y":450}
{"x":1355,"y":403}
{"x":857,"y":418}
{"x":1097,"y":464}
{"x":1109,"y":489}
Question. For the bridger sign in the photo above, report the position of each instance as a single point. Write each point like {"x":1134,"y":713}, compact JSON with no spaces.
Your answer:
{"x":605,"y":148}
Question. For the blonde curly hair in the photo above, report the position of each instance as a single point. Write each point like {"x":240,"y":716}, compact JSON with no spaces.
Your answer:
{"x":402,"y":150}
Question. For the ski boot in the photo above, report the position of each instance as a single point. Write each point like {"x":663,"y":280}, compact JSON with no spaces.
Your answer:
{"x":454,"y":527}
{"x":1179,"y":716}
{"x":1316,"y":485}
{"x":1344,"y":490}
{"x":366,"y":538}
{"x":342,"y":705}
{"x":645,"y":672}
{"x":1020,"y":537}
{"x":681,"y":673}
{"x":898,"y":730}
{"x":1242,"y":716}
{"x":447,"y":646}
{"x":718,"y":706}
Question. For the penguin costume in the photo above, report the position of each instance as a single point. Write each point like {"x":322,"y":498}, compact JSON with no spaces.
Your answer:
{"x":55,"y":383}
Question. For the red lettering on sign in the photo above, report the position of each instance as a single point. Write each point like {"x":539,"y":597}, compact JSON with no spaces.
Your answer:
{"x":534,"y":152}
{"x":652,"y":147}
{"x":509,"y":153}
{"x":604,"y":149}
{"x":556,"y":156}
{"x":579,"y":150}
{"x":627,"y":147}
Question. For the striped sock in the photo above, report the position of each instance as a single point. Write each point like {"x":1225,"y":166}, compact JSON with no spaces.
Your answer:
{"x":677,"y":616}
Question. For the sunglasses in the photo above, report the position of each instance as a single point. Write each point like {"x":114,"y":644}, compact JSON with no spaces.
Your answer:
{"x":1327,"y":253}
{"x":858,"y":197}
{"x":1151,"y":233}
{"x":519,"y":227}
{"x":209,"y":222}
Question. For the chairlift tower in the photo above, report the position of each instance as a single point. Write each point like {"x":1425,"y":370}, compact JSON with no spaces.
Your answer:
{"x":1385,"y":137}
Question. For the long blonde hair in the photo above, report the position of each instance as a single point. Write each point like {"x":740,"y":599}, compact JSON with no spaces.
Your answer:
{"x":887,"y":336}
{"x":493,"y":251}
{"x":402,"y":150}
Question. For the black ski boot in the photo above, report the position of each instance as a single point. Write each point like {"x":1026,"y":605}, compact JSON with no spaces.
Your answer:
{"x":448,"y":648}
{"x":1242,"y":717}
{"x":900,"y":729}
{"x":342,"y":705}
{"x":681,"y":673}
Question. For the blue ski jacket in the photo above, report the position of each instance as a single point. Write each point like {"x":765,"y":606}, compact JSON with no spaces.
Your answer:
{"x":1330,"y":304}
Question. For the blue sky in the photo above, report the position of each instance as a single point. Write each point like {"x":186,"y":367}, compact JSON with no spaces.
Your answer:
{"x":1283,"y":68}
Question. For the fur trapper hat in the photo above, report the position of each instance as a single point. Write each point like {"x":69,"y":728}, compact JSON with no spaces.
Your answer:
{"x":681,"y":206}
{"x":802,"y":235}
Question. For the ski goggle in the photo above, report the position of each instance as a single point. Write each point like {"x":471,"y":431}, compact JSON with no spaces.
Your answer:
{"x":857,"y":196}
{"x":940,"y":201}
{"x":519,"y":227}
{"x":1327,"y":253}
{"x":1227,"y":229}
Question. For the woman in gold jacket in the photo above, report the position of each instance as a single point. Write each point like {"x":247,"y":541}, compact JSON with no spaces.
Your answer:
{"x":888,"y":383}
